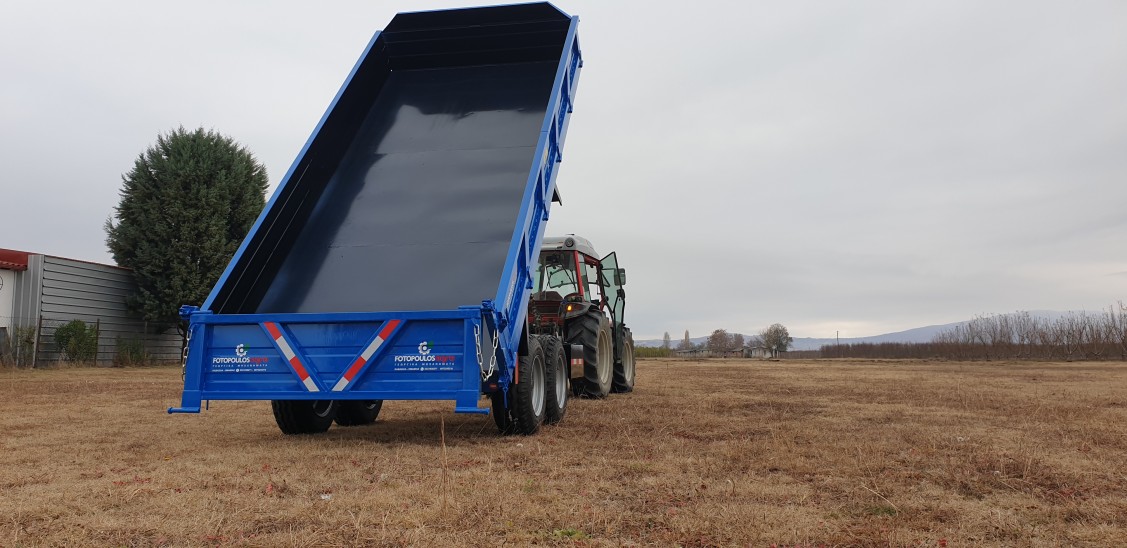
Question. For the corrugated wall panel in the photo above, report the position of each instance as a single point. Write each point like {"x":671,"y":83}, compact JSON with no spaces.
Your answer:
{"x":106,"y":298}
{"x":95,"y":294}
{"x":82,"y":284}
{"x":58,"y":305}
{"x":29,"y":285}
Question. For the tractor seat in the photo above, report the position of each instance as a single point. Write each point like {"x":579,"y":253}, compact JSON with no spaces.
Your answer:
{"x":547,"y":296}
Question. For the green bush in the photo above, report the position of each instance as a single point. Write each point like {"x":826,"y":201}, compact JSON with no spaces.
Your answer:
{"x":77,"y":341}
{"x":130,"y":352}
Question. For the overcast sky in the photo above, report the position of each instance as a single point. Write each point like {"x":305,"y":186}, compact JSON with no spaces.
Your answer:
{"x":861,"y":167}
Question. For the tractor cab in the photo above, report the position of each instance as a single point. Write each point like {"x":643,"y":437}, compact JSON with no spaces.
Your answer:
{"x":574,"y":288}
{"x":570,"y":273}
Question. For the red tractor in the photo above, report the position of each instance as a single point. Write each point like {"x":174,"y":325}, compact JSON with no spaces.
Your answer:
{"x":580,"y":298}
{"x":577,"y":341}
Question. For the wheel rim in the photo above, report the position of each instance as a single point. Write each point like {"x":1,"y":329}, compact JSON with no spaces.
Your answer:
{"x":605,"y":365}
{"x":561,"y":383}
{"x":539,"y":390}
{"x":322,"y":408}
{"x":628,"y":363}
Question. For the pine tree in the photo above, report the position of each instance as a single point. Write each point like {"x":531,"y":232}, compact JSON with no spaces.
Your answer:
{"x":185,"y":207}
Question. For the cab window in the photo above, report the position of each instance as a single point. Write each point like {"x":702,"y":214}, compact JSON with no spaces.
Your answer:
{"x":556,"y":272}
{"x":591,"y":277}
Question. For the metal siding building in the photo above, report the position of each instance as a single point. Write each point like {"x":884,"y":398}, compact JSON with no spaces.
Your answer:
{"x":53,"y":291}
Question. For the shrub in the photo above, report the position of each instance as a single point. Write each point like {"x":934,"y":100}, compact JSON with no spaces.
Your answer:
{"x":130,"y":352}
{"x":23,"y":346}
{"x":77,"y":341}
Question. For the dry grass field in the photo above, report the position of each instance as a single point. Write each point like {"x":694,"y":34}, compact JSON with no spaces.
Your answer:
{"x":716,"y":453}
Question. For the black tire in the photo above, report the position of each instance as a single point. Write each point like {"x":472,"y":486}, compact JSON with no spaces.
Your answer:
{"x":529,"y":401}
{"x":304,"y":416}
{"x":592,"y":330}
{"x":502,"y":414}
{"x":358,"y":413}
{"x":558,"y":380}
{"x":624,"y":366}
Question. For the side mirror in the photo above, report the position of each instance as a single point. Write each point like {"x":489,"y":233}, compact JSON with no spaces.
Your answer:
{"x":620,"y":277}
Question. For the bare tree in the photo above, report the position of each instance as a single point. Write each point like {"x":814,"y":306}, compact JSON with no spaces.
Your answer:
{"x":686,"y":343}
{"x":719,"y":341}
{"x":776,"y":339}
{"x":1070,"y":331}
{"x":1117,"y":328}
{"x":1025,"y":334}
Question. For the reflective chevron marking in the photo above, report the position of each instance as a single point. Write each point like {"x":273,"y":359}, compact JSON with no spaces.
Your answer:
{"x":366,"y":355}
{"x":291,"y":357}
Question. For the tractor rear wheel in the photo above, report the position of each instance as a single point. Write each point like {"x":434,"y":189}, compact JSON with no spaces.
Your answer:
{"x":592,"y":330}
{"x":624,"y":367}
{"x":304,"y":416}
{"x":358,"y":413}
{"x":530,"y":391}
{"x":558,"y":379}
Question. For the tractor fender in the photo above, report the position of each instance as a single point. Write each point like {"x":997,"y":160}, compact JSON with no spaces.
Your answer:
{"x":574,"y":309}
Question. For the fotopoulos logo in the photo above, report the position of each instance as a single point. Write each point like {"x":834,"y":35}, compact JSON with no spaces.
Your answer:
{"x":240,"y":357}
{"x":425,"y":356}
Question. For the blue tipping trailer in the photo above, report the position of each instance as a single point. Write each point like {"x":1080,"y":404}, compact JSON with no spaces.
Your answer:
{"x":395,"y":260}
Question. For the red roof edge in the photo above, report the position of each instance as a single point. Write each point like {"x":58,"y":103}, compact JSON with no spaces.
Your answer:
{"x":11,"y":259}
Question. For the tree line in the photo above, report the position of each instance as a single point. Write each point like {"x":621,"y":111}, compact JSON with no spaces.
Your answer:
{"x":774,"y":340}
{"x":1015,"y":336}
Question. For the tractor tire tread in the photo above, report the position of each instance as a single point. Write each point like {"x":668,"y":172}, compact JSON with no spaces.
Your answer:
{"x":554,"y":358}
{"x":585,"y":330}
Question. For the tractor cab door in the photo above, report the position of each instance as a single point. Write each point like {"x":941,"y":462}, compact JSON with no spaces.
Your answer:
{"x":615,"y":279}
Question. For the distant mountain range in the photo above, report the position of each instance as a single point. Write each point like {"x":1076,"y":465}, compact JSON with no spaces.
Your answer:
{"x":916,"y":335}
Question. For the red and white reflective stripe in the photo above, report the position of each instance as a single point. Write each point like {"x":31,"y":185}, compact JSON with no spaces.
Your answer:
{"x":577,"y":361}
{"x":366,"y":355}
{"x":288,"y":352}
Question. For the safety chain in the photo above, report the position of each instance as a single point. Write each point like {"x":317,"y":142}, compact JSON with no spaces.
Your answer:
{"x":184,"y":355}
{"x":485,"y":374}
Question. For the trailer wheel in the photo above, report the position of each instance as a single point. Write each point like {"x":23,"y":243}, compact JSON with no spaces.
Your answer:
{"x":358,"y":413}
{"x":304,"y":416}
{"x":624,"y":367}
{"x":558,"y":379}
{"x":502,"y":414}
{"x":592,"y":330}
{"x":530,"y":393}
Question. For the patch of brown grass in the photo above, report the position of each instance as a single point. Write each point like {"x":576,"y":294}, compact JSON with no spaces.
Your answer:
{"x":710,"y":453}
